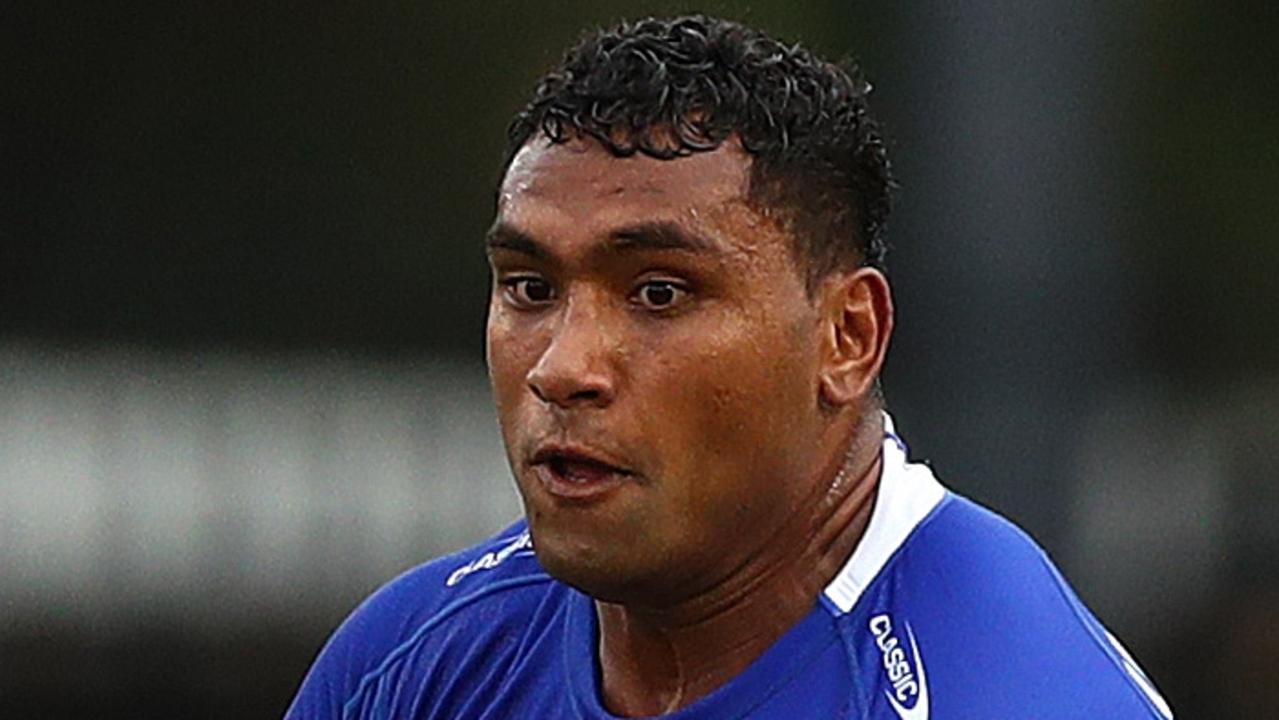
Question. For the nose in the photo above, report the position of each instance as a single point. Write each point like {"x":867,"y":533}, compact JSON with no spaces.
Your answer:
{"x":575,"y":369}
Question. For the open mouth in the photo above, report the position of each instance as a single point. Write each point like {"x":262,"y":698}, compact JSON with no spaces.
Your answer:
{"x":575,"y":474}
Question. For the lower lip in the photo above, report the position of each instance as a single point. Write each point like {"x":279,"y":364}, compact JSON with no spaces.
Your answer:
{"x":577,"y":488}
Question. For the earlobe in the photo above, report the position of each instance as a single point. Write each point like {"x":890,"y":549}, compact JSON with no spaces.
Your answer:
{"x":857,"y":317}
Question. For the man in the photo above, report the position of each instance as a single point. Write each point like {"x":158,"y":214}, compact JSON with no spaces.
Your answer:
{"x":688,"y":320}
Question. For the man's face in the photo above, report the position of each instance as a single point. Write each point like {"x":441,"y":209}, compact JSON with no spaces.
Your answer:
{"x":654,"y":358}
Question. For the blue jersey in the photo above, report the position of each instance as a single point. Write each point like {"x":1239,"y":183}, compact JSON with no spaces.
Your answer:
{"x":945,"y":611}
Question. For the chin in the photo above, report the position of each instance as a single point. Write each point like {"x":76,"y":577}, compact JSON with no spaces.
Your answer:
{"x":598,"y":571}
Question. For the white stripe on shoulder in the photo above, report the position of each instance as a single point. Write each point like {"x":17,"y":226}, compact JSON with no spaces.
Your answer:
{"x":908,"y":492}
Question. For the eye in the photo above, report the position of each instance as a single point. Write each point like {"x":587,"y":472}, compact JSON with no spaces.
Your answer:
{"x":528,"y":291}
{"x":659,"y":294}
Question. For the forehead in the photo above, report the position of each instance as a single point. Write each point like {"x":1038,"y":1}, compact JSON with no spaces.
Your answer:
{"x":581,"y":184}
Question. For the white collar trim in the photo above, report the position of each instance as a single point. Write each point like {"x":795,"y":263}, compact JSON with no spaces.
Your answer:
{"x":908,"y":492}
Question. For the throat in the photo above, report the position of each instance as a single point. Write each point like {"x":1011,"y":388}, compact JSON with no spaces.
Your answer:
{"x":658,"y":660}
{"x":653,"y":669}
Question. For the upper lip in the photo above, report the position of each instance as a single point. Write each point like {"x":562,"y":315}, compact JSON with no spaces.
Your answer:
{"x":564,"y":452}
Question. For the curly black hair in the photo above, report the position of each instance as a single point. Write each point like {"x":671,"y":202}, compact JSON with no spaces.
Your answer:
{"x":673,"y":87}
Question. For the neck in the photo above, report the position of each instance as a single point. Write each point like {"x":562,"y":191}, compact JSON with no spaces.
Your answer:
{"x":658,"y":660}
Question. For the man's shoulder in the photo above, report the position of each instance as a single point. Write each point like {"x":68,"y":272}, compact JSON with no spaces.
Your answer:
{"x":969,"y":570}
{"x":998,"y":626}
{"x":453,"y":604}
{"x":978,"y":561}
{"x":497,"y":570}
{"x":978,"y":550}
{"x":503,"y":560}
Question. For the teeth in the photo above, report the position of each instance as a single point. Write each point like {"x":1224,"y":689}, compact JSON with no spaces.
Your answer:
{"x":578,"y":472}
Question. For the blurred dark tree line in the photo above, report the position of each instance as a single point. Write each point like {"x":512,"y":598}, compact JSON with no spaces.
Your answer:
{"x":273,"y":175}
{"x":285,"y":176}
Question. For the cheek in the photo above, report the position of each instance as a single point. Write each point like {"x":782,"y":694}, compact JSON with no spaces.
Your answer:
{"x":509,"y":356}
{"x":733,"y":406}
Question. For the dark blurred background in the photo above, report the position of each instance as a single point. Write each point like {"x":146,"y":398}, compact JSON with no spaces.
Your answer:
{"x":242,"y":297}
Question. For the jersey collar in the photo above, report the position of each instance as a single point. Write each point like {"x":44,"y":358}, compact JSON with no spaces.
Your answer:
{"x":908,"y":492}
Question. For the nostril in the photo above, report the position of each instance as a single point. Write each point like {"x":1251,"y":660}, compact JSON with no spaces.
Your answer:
{"x":538,"y":393}
{"x":584,"y":395}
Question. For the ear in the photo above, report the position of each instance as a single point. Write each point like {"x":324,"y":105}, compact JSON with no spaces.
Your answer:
{"x":857,"y":322}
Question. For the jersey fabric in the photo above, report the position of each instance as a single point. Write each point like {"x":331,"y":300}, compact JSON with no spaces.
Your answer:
{"x":945,"y":611}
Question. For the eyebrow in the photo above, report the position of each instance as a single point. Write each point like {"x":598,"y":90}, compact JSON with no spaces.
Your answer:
{"x":507,"y":237}
{"x":660,"y":235}
{"x":653,"y":235}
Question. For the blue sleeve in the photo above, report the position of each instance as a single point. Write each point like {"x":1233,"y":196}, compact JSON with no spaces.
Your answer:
{"x":1000,"y":633}
{"x":365,"y":639}
{"x":391,"y":617}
